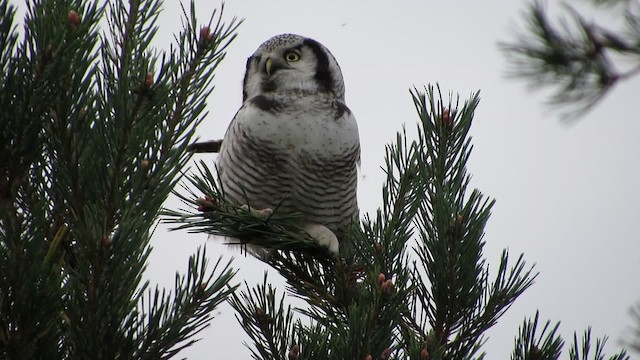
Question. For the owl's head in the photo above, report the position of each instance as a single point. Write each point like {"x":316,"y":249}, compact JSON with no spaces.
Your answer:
{"x":291,"y":62}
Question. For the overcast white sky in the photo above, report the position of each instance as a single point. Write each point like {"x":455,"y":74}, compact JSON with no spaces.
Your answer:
{"x":567,"y":197}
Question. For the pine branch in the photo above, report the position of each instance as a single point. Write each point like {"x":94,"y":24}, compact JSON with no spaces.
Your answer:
{"x":167,"y":324}
{"x":31,"y":224}
{"x":581,"y":349}
{"x":267,"y":322}
{"x":96,"y":142}
{"x":458,"y":301}
{"x":530,"y":345}
{"x":582,"y":60}
{"x":547,"y":345}
{"x":330,"y":286}
{"x":209,"y":212}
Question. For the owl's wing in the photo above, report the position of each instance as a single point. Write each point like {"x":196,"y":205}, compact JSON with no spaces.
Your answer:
{"x":253,"y":168}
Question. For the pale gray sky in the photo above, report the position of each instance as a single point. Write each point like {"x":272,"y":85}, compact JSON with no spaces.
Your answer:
{"x":567,"y":197}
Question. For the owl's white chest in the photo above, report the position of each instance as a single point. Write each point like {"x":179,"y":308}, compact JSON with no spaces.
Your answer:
{"x":302,"y":125}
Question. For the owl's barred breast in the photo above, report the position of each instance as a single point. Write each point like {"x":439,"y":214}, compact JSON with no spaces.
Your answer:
{"x":290,"y":152}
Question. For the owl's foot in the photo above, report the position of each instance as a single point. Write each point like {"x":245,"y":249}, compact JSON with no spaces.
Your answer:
{"x":324,"y":237}
{"x":260,"y":213}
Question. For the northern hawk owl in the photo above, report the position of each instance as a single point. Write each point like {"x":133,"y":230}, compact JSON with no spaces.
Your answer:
{"x":294,"y":142}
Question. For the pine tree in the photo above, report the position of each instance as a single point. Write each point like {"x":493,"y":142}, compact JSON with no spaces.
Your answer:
{"x":579,"y":57}
{"x":416,"y":285}
{"x":94,"y":125}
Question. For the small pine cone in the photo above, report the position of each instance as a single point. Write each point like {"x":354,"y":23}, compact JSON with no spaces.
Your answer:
{"x":446,"y":117}
{"x":387,"y":286}
{"x":74,"y":20}
{"x":148,"y":80}
{"x":424,"y":354}
{"x":294,"y":353}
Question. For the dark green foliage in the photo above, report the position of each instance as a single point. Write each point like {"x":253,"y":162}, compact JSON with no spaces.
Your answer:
{"x":547,"y":345}
{"x":266,"y":320}
{"x":451,"y":226}
{"x":375,"y":300}
{"x":531,"y":345}
{"x":583,"y":60}
{"x":236,"y":222}
{"x":94,"y":127}
{"x":581,"y":350}
{"x":415,"y":285}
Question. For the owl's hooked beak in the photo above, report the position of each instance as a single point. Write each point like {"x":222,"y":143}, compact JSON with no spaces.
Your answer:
{"x":271,"y":66}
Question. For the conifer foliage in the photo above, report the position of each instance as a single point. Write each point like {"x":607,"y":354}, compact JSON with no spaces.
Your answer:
{"x":94,"y":125}
{"x":415,"y":285}
{"x":578,"y":55}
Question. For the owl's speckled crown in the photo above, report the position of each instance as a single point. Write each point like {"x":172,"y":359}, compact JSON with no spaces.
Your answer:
{"x":282,"y":40}
{"x":327,"y":73}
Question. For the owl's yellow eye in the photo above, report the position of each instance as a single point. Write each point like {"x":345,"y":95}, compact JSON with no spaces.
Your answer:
{"x":292,"y":56}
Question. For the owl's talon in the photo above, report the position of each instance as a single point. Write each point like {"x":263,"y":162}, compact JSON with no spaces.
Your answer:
{"x":262,"y":213}
{"x":324,"y":237}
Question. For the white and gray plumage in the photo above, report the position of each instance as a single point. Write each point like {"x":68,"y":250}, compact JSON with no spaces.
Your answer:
{"x":294,"y":143}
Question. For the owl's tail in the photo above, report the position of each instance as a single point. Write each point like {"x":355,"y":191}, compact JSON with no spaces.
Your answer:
{"x":212,"y":146}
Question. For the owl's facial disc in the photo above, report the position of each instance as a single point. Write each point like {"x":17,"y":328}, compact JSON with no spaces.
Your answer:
{"x":292,"y":63}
